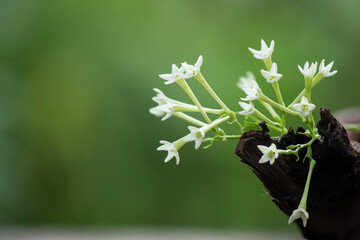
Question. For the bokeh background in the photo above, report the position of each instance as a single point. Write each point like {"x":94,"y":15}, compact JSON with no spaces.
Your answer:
{"x":77,"y":141}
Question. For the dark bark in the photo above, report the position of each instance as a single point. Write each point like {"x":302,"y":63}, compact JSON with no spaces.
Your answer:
{"x":334,"y":195}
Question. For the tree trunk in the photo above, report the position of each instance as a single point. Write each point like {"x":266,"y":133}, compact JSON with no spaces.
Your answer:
{"x":334,"y":196}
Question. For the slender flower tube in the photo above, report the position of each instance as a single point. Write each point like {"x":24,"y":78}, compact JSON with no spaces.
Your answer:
{"x":197,"y":134}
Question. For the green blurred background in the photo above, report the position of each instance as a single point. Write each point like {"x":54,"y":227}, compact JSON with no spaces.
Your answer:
{"x":77,"y":142}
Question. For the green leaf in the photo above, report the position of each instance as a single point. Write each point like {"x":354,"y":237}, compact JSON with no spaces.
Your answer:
{"x":250,"y":126}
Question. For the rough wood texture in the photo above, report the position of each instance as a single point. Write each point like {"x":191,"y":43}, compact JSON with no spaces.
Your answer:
{"x":334,"y":195}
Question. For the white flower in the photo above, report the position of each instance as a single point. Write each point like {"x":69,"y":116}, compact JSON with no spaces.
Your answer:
{"x":176,"y":73}
{"x":325,"y":70}
{"x":265,"y":51}
{"x":308,"y":71}
{"x":192,"y":70}
{"x":253,"y":91}
{"x":304,"y":107}
{"x":172,"y":151}
{"x":248,"y":108}
{"x":165,"y":108}
{"x":269,"y":153}
{"x":272,"y":75}
{"x":196,"y":134}
{"x":299,"y":213}
{"x":245,"y":82}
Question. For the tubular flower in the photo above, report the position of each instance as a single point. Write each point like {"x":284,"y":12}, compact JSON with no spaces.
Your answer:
{"x":176,"y":74}
{"x":248,"y":108}
{"x":172,"y":151}
{"x":196,"y":135}
{"x":307,"y":71}
{"x":253,"y":91}
{"x":272,"y":75}
{"x":304,"y":107}
{"x":265,"y":51}
{"x":269,"y":153}
{"x":165,"y":108}
{"x":325,"y":70}
{"x":299,"y":213}
{"x":192,"y":70}
{"x":245,"y":82}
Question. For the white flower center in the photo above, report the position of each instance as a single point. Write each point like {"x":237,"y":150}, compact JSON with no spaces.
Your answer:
{"x":305,"y":107}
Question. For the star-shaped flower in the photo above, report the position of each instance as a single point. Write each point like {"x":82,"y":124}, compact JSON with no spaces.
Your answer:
{"x":253,"y":91}
{"x":248,"y":108}
{"x":165,"y":108}
{"x":172,"y":151}
{"x":325,"y":70}
{"x":272,"y":75}
{"x":265,"y":51}
{"x":176,"y":73}
{"x":196,"y":134}
{"x":245,"y":82}
{"x":304,"y":107}
{"x":307,"y":71}
{"x":192,"y":70}
{"x":299,"y":213}
{"x":269,"y":153}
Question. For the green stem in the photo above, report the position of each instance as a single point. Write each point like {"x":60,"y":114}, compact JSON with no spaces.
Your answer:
{"x":200,"y":78}
{"x":281,"y":107}
{"x":276,"y":87}
{"x":266,"y":119}
{"x":192,"y":108}
{"x":183,"y":84}
{"x":189,"y":119}
{"x":272,"y":112}
{"x":307,"y":185}
{"x":215,"y":123}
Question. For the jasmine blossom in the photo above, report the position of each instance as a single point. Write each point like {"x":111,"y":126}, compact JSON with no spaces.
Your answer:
{"x":176,"y":74}
{"x":325,"y":70}
{"x":269,"y":153}
{"x":304,"y":107}
{"x":299,"y":213}
{"x":196,"y":134}
{"x":192,"y":70}
{"x":307,"y":71}
{"x":272,"y":75}
{"x":248,"y":108}
{"x":265,"y":51}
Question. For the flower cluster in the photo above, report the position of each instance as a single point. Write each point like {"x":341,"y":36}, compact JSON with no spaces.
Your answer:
{"x":274,"y":113}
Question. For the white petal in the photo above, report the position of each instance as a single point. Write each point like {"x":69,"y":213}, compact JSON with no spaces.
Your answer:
{"x":263,"y":149}
{"x":198,"y":142}
{"x":274,"y":68}
{"x":304,"y":100}
{"x":169,"y":156}
{"x":166,"y":76}
{"x":199,"y":62}
{"x":301,"y":70}
{"x":311,"y":107}
{"x":255,"y":52}
{"x":265,"y":74}
{"x":297,"y":107}
{"x":331,"y":73}
{"x":264,"y":159}
{"x":272,"y":46}
{"x":177,"y":157}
